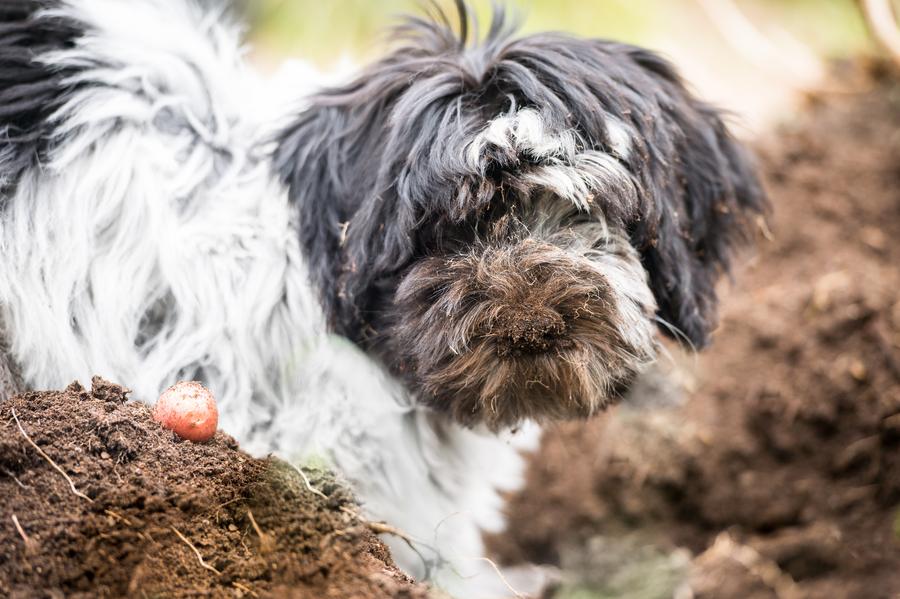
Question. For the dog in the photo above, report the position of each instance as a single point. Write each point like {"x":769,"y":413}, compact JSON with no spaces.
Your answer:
{"x":404,"y":275}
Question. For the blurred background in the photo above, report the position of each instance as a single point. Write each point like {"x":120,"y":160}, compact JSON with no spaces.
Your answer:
{"x":751,"y":56}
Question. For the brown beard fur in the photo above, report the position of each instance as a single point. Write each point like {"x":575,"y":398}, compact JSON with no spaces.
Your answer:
{"x":525,"y":330}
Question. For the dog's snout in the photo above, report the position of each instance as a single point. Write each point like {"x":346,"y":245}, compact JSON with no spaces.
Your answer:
{"x":527,"y":330}
{"x":498,"y":333}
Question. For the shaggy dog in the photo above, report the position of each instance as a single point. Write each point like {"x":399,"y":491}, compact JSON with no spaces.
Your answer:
{"x":400,"y":275}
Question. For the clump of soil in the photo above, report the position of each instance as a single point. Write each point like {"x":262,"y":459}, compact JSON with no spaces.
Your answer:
{"x":528,"y":330}
{"x":780,"y":472}
{"x":145,"y":508}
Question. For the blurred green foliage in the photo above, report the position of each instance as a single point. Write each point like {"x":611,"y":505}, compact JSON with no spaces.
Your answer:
{"x":327,"y":30}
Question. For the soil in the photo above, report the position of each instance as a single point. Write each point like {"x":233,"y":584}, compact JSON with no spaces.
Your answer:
{"x":778,"y":472}
{"x":528,"y":331}
{"x":145,"y":507}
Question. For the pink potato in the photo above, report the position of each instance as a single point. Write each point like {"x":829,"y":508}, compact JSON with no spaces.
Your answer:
{"x":189,"y":410}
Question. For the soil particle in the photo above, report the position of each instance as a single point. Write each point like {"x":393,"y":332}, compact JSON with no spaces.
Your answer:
{"x":165,"y":517}
{"x":528,"y":330}
{"x":781,"y":470}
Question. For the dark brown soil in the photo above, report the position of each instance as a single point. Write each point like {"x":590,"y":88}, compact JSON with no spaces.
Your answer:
{"x":254,"y":521}
{"x":780,"y":472}
{"x":528,"y":330}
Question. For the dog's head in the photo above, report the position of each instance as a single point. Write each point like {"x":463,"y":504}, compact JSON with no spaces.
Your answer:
{"x":507,"y":223}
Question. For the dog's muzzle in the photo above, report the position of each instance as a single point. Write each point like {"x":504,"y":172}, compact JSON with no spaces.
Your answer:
{"x":527,"y":329}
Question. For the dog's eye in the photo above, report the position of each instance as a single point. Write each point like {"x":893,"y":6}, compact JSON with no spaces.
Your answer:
{"x":493,"y":171}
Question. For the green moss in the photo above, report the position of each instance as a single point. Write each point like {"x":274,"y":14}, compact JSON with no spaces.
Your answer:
{"x":631,"y":566}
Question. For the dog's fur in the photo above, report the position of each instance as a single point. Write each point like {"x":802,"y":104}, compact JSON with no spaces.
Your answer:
{"x":499,"y":226}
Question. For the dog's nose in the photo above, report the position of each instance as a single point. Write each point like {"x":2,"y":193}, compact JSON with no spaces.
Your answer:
{"x":526,"y":329}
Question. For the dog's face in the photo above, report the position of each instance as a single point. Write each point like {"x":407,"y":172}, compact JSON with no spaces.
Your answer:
{"x":507,"y":224}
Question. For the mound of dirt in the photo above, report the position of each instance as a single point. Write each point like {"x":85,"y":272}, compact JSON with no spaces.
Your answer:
{"x":149,"y":515}
{"x":780,"y":471}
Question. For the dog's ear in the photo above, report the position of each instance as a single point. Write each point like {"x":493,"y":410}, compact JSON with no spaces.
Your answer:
{"x":351,"y":166}
{"x":707,"y":198}
{"x":308,"y":158}
{"x":31,"y":90}
{"x":358,"y":171}
{"x":330,"y":158}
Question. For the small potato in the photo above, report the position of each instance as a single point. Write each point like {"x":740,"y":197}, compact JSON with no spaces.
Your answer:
{"x":188,"y":409}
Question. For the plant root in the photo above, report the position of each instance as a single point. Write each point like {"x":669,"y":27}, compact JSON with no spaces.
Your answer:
{"x":49,"y":460}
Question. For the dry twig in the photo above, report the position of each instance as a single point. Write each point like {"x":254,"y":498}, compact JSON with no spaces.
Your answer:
{"x":308,"y":485}
{"x":763,"y":225}
{"x":383,"y":528}
{"x":244,"y":588}
{"x":255,"y":525}
{"x":496,"y":568}
{"x":118,"y":517}
{"x":13,"y":476}
{"x":266,"y":541}
{"x":195,"y":550}
{"x":49,"y":460}
{"x":29,"y":544}
{"x":500,"y":575}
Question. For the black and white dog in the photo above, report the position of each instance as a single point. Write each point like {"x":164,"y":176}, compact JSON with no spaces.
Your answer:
{"x":403,"y":275}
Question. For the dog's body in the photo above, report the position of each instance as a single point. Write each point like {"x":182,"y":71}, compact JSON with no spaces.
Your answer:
{"x":166,"y":216}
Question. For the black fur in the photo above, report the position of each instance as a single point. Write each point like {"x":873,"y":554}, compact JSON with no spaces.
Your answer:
{"x":30,"y":90}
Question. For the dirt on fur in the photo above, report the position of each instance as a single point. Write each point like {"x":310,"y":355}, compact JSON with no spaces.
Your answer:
{"x":150,"y":515}
{"x":778,"y":474}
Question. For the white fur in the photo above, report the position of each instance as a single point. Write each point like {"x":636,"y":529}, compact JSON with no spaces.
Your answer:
{"x":574,"y":175}
{"x":521,"y":131}
{"x":620,"y":137}
{"x":155,"y":246}
{"x":589,"y":174}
